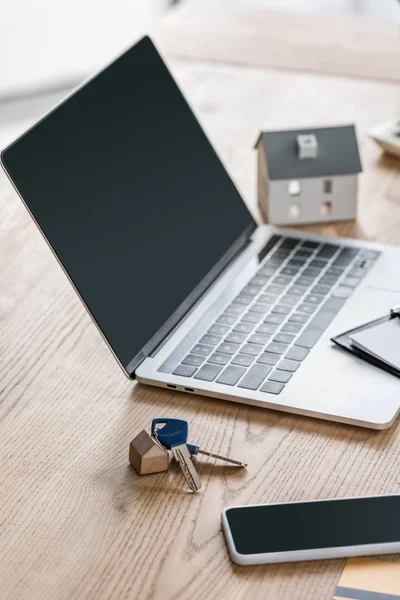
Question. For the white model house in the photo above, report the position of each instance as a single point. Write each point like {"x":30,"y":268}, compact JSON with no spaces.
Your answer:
{"x":308,"y":175}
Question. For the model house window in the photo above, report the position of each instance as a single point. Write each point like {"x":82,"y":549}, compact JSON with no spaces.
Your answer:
{"x":326,"y":208}
{"x":294,"y":187}
{"x":294,"y":211}
{"x":328,"y":186}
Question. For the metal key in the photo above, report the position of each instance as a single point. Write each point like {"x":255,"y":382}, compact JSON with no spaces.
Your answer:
{"x":175,"y":431}
{"x":184,"y":459}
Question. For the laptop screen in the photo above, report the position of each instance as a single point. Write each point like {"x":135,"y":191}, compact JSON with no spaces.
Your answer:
{"x":131,"y":196}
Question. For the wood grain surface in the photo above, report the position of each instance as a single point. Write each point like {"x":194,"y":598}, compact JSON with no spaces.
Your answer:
{"x":343,"y":44}
{"x":76,"y":521}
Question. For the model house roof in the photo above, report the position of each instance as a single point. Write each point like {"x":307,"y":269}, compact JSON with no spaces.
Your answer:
{"x":287,"y":157}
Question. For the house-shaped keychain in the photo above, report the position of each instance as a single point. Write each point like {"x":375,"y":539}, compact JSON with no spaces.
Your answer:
{"x":308,"y":175}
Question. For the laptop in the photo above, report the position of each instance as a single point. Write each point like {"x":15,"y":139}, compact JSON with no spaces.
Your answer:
{"x":187,"y":291}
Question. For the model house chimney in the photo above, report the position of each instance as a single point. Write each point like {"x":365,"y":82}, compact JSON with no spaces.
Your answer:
{"x":307,"y":146}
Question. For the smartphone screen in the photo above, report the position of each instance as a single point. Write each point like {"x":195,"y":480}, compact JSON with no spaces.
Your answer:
{"x":323,"y":524}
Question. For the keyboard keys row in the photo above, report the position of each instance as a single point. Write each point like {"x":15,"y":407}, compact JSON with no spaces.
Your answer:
{"x":269,"y":357}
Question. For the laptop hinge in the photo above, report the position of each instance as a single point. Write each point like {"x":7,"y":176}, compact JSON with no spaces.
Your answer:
{"x":169,"y":328}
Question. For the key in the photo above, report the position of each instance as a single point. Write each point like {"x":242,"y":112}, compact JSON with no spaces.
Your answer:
{"x":184,"y":370}
{"x":179,"y":449}
{"x":175,"y":433}
{"x":231,"y":375}
{"x":182,"y":456}
{"x":243,"y":327}
{"x":235,"y":338}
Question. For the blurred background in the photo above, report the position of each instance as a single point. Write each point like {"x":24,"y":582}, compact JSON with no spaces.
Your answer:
{"x":47,"y":47}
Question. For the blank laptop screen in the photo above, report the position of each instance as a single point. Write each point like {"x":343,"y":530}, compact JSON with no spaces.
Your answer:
{"x":131,"y":196}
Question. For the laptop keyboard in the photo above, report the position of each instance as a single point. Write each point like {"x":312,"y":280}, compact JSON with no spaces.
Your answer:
{"x":260,"y":340}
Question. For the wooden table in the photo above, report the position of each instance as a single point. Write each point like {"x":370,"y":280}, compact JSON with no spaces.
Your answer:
{"x":76,"y":522}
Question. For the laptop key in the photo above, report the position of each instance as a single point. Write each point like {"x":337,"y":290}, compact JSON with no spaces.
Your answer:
{"x":296,"y":353}
{"x":321,"y":289}
{"x":251,"y":290}
{"x":289,"y":300}
{"x":267,"y":358}
{"x":317,"y":264}
{"x":259,"y":280}
{"x":297,"y":262}
{"x":303,"y":253}
{"x":313,"y":299}
{"x":267,"y":271}
{"x":276,"y":348}
{"x":281,"y":280}
{"x":296,"y":290}
{"x":280,"y":376}
{"x":289,"y":271}
{"x":309,"y":337}
{"x":226,"y":319}
{"x":328,"y":280}
{"x":235,"y":309}
{"x":208,"y":372}
{"x":242,"y":299}
{"x":345,"y":257}
{"x":260,"y":339}
{"x":322,"y":319}
{"x":306,"y":308}
{"x":311,"y":273}
{"x":243,"y":360}
{"x":228,"y":348}
{"x":310,"y":244}
{"x":342,"y":292}
{"x":252,"y":317}
{"x":243,"y":327}
{"x":272,"y":387}
{"x":219,"y":359}
{"x":289,"y":243}
{"x":335,"y":270}
{"x":235,"y":338}
{"x":210,"y":339}
{"x":184,"y":370}
{"x":254,"y":376}
{"x":203,"y":350}
{"x":268,"y":298}
{"x":327,"y":251}
{"x":260,"y":307}
{"x":291,"y":328}
{"x":266,"y":328}
{"x":357,"y":272}
{"x":231,"y":375}
{"x":288,"y":365}
{"x":251,"y":349}
{"x":218,"y":329}
{"x":304,"y":281}
{"x":284,"y":338}
{"x":333,"y":304}
{"x":193,"y":359}
{"x":274,"y":319}
{"x":275,"y":289}
{"x":350,"y":281}
{"x":281,"y":309}
{"x":298,"y":318}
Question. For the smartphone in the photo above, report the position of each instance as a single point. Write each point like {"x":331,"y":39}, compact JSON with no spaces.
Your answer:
{"x":293,"y":531}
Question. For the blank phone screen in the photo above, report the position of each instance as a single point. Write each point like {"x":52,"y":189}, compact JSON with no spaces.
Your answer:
{"x":312,"y":525}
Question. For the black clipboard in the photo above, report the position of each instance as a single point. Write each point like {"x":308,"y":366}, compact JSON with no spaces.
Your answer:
{"x":343,"y":340}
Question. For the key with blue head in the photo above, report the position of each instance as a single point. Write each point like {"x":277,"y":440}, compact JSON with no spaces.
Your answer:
{"x":175,"y":432}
